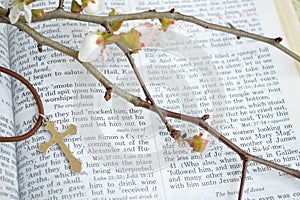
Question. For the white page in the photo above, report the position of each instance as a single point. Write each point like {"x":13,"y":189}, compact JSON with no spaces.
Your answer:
{"x":8,"y":172}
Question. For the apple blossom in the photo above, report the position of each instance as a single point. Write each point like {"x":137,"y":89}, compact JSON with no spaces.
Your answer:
{"x":91,"y":47}
{"x":92,"y":7}
{"x":19,"y":6}
{"x":94,"y":43}
{"x":148,"y":33}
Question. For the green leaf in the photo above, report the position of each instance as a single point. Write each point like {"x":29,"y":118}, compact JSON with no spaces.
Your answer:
{"x":165,"y":23}
{"x":37,"y":13}
{"x":75,"y":7}
{"x":110,"y":38}
{"x":114,"y":25}
{"x":132,"y":40}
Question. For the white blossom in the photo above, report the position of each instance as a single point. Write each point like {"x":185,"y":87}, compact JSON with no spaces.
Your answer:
{"x":16,"y":8}
{"x":91,"y":47}
{"x":148,"y":33}
{"x":92,"y":7}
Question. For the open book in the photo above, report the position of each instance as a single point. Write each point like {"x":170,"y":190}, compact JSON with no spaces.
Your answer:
{"x":248,"y":88}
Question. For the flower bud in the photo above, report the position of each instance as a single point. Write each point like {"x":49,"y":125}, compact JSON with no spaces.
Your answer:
{"x":75,"y":7}
{"x":37,"y":13}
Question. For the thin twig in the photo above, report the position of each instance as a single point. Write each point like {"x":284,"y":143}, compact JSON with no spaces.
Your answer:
{"x":127,"y":53}
{"x":243,"y":178}
{"x":61,"y":4}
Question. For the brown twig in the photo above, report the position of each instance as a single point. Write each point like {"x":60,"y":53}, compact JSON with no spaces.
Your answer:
{"x":129,"y":57}
{"x":61,"y":4}
{"x":243,"y":178}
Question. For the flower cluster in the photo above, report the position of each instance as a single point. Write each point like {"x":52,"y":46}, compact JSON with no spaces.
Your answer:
{"x":95,"y":41}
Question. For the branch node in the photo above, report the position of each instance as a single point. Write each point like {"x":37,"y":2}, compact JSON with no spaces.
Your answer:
{"x":245,"y":158}
{"x":231,"y":26}
{"x":278,"y":39}
{"x":175,"y":133}
{"x":172,"y":10}
{"x":107,"y":94}
{"x":149,"y":100}
{"x":60,"y":5}
{"x":40,"y":47}
{"x":205,"y":117}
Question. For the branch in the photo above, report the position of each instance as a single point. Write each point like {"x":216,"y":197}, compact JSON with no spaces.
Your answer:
{"x":61,"y":4}
{"x":138,"y":102}
{"x":59,"y":13}
{"x":243,"y":178}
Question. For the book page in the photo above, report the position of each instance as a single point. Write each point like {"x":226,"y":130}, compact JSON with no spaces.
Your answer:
{"x":289,"y":19}
{"x":126,"y":152}
{"x":8,"y":167}
{"x":257,"y":111}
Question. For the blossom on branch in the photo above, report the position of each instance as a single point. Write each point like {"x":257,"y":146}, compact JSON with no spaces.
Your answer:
{"x":19,"y":6}
{"x":148,"y":33}
{"x":91,"y":47}
{"x":92,"y":7}
{"x":94,"y":43}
